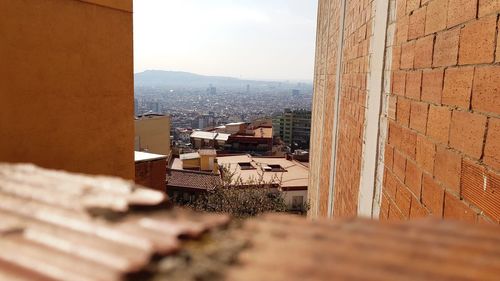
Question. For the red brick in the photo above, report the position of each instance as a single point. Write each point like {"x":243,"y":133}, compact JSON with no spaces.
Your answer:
{"x":492,"y":146}
{"x":432,"y":85}
{"x":417,"y":210}
{"x":416,"y":26}
{"x":446,"y":48}
{"x":409,"y":142}
{"x":486,"y":90}
{"x":447,"y":168}
{"x":403,"y":201}
{"x":390,"y":184}
{"x":456,"y":209}
{"x":395,"y":214}
{"x":398,"y":82}
{"x":498,"y":51}
{"x":400,"y":9}
{"x":481,"y":187}
{"x":432,"y":196}
{"x":388,"y":156}
{"x":395,"y":134}
{"x":460,"y":11}
{"x":412,"y":5}
{"x":413,"y":84}
{"x":458,"y":86}
{"x":399,"y":165}
{"x":391,"y":106}
{"x":403,"y":112}
{"x":435,"y":19}
{"x":487,"y":7}
{"x":396,"y":57}
{"x":423,"y":52}
{"x":477,"y":41}
{"x":484,"y":220}
{"x":402,"y":30}
{"x":467,"y":132}
{"x":407,"y":55}
{"x":426,"y":151}
{"x":413,"y":178}
{"x":418,"y":116}
{"x":438,"y":123}
{"x":384,"y":208}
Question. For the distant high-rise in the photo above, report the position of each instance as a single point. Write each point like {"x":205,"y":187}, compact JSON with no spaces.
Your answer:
{"x":205,"y":121}
{"x":212,"y":90}
{"x":296,"y":93}
{"x":294,"y":128}
{"x":154,"y":107}
{"x":248,"y":88}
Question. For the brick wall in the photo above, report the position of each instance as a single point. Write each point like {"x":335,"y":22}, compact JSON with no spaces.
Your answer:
{"x":323,"y":109}
{"x":439,"y":133}
{"x":345,"y":85}
{"x":353,"y":94}
{"x":151,"y":174}
{"x":442,"y":157}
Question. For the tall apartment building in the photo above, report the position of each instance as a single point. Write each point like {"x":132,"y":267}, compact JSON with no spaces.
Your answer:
{"x":65,"y":82}
{"x":152,"y":133}
{"x":406,"y":110}
{"x":294,"y":128}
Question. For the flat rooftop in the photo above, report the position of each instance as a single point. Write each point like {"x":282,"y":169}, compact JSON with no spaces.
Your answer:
{"x":261,"y":132}
{"x":140,"y":156}
{"x":203,"y":135}
{"x":296,"y":175}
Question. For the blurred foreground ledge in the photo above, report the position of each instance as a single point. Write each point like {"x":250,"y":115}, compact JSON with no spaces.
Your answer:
{"x":60,"y":226}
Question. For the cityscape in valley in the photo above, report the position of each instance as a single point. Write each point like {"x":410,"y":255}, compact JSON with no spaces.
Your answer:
{"x":189,"y":98}
{"x":203,"y":128}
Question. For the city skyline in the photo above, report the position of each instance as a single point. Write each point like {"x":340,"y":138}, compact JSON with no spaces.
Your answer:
{"x":264,"y":40}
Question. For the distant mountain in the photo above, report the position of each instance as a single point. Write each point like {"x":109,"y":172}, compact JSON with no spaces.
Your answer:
{"x":161,"y":78}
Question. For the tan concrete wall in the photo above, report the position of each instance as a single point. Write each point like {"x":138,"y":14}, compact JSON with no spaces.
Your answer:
{"x":66,"y":85}
{"x":191,"y":163}
{"x":152,"y":134}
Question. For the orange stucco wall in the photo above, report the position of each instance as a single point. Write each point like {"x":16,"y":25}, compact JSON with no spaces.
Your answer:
{"x":66,"y":85}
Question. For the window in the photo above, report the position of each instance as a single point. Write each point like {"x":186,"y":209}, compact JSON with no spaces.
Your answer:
{"x":246,"y":166}
{"x":274,"y":168}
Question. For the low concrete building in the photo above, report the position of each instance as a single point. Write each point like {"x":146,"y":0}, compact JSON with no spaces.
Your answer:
{"x":203,"y":160}
{"x":292,"y":176}
{"x":252,"y":139}
{"x":240,"y":137}
{"x":204,"y":139}
{"x":150,"y":170}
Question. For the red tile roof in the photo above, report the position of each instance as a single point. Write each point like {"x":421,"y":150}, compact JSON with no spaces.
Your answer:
{"x":292,"y":248}
{"x":60,"y":226}
{"x":192,"y":179}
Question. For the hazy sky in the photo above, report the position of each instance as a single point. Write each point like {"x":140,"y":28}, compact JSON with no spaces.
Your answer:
{"x":250,"y":39}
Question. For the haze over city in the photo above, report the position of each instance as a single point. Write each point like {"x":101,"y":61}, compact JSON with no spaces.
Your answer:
{"x":246,"y":39}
